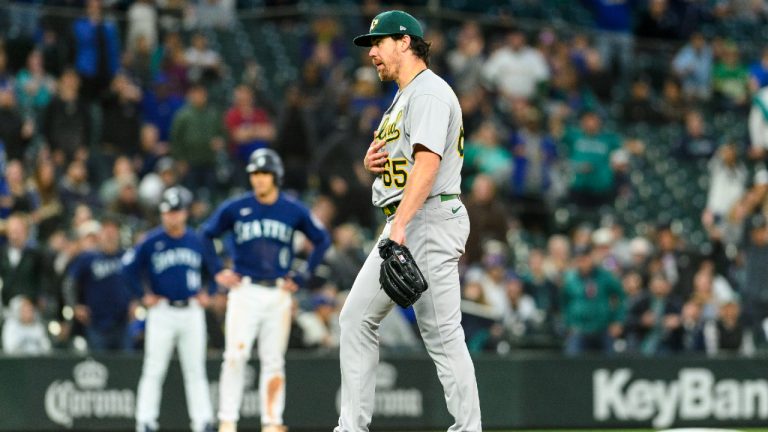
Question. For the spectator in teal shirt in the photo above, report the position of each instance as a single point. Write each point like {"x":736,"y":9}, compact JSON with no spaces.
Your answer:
{"x":589,"y":152}
{"x":592,"y":301}
{"x":34,"y":86}
{"x":485,"y":154}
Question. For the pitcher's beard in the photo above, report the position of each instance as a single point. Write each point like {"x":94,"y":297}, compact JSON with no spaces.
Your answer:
{"x":384,"y":73}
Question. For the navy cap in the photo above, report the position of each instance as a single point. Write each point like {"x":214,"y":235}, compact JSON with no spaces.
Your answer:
{"x":175,"y":198}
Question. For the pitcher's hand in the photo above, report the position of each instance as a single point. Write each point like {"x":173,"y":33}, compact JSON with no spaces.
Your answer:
{"x":374,"y":159}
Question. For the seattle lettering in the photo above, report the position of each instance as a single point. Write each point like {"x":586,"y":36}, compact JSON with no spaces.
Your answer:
{"x":262,"y":228}
{"x":105,"y":267}
{"x":174,"y":257}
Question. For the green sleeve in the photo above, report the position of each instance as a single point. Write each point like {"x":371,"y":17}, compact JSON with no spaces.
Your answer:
{"x":564,"y":299}
{"x":177,"y":145}
{"x":155,"y":60}
{"x":744,"y":74}
{"x":590,"y":101}
{"x":221,"y":130}
{"x":470,"y":153}
{"x":614,"y":142}
{"x":477,"y":343}
{"x":718,"y":74}
{"x":568,"y":139}
{"x":617,"y":291}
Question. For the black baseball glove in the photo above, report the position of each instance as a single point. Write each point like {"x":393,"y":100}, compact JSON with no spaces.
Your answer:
{"x":400,"y":277}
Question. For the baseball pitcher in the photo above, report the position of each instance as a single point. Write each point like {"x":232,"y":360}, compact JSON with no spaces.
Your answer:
{"x":417,"y":154}
{"x":171,"y":262}
{"x":262,"y":223}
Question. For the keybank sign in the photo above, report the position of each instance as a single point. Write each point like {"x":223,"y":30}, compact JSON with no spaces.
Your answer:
{"x":696,"y":395}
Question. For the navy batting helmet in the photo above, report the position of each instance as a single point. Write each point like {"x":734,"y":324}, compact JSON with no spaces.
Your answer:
{"x":266,"y":160}
{"x":175,"y":198}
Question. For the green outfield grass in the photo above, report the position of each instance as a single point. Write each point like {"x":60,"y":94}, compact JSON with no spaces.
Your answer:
{"x":612,"y":430}
{"x":620,"y":430}
{"x":606,"y":430}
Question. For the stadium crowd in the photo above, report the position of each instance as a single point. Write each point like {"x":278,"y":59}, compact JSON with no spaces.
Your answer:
{"x":99,"y":115}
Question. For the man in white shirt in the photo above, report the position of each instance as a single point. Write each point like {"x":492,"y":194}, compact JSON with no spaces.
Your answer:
{"x":23,"y":333}
{"x":515,"y":70}
{"x":203,"y":62}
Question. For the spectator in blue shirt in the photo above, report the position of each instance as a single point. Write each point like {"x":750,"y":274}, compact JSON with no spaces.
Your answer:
{"x":613,"y":19}
{"x":693,"y":65}
{"x":534,"y":154}
{"x":159,"y":105}
{"x":758,"y":72}
{"x":97,"y":50}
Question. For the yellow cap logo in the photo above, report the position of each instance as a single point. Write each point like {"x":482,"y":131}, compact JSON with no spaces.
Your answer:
{"x":373,"y":23}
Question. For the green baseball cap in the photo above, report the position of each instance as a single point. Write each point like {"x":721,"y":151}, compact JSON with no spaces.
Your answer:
{"x":390,"y":23}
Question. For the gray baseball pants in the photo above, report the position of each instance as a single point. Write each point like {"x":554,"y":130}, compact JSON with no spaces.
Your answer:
{"x":436,"y":237}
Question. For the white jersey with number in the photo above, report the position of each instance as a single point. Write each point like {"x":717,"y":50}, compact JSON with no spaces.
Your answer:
{"x":425,"y":112}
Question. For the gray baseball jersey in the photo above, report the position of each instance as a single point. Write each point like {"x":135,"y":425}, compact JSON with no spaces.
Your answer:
{"x":426,"y":112}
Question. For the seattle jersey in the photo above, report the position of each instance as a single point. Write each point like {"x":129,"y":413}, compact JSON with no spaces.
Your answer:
{"x":98,"y":282}
{"x":174,"y":267}
{"x":263,"y":234}
{"x":425,"y":112}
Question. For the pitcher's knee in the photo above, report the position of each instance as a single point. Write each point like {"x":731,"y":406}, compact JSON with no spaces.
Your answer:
{"x":365,"y":331}
{"x":447,"y":334}
{"x":454,"y":333}
{"x":349,"y":320}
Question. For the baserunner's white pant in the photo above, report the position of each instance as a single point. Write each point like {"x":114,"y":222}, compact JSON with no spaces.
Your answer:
{"x":436,"y":238}
{"x":168,"y":328}
{"x":255,"y":311}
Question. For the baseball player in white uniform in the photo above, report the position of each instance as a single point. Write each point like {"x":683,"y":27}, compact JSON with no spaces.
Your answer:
{"x":417,"y":153}
{"x":170,"y":262}
{"x":262,"y":223}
